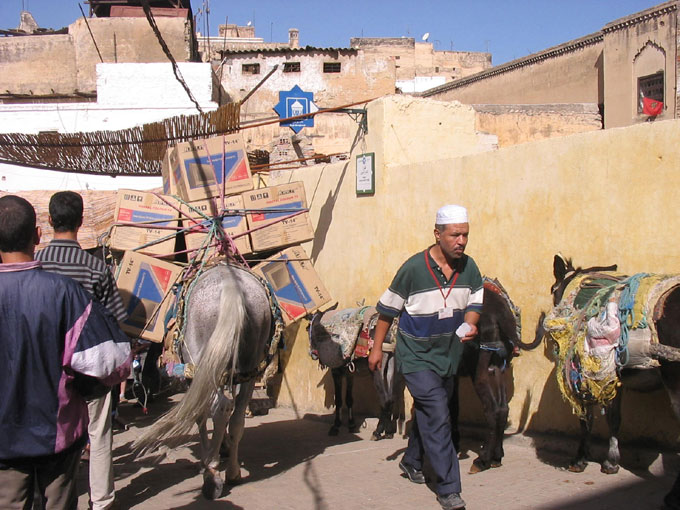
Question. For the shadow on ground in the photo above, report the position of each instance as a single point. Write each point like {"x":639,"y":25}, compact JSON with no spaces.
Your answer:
{"x":266,"y":450}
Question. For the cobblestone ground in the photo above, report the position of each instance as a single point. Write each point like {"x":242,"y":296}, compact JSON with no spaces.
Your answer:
{"x":290,"y":462}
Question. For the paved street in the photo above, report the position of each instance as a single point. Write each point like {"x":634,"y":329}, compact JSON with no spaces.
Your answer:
{"x":289,"y":462}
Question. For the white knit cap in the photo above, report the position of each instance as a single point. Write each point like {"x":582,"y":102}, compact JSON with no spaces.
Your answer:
{"x":451,"y":214}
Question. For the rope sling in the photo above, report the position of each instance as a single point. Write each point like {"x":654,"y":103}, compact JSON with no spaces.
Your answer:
{"x":182,"y":289}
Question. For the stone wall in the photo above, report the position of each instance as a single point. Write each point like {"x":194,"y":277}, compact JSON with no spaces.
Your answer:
{"x":66,"y":64}
{"x":592,"y":196}
{"x":26,"y":62}
{"x":420,"y":59}
{"x":514,"y":124}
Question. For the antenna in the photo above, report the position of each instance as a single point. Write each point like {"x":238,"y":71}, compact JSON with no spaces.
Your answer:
{"x":426,"y":36}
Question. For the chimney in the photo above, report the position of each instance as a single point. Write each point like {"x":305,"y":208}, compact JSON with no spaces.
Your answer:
{"x":293,"y":38}
{"x":27,"y":23}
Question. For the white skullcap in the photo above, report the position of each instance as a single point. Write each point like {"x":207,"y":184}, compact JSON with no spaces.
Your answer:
{"x":451,"y":214}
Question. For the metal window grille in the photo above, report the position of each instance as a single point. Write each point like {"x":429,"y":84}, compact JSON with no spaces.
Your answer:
{"x":651,"y":86}
{"x":250,"y":68}
{"x":331,"y":67}
{"x":291,"y":67}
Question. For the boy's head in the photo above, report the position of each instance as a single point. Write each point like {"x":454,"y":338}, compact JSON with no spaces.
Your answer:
{"x":66,"y":211}
{"x":18,"y":231}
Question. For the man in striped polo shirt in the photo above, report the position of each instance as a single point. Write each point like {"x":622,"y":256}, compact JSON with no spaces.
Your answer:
{"x":437,"y":295}
{"x":64,"y":255}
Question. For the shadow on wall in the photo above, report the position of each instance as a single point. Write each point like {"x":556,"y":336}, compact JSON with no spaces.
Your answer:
{"x":276,"y":384}
{"x":554,"y":415}
{"x":326,"y":210}
{"x":364,"y":394}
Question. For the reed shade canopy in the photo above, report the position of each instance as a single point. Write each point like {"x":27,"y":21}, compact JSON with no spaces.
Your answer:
{"x":133,"y":151}
{"x":98,"y":214}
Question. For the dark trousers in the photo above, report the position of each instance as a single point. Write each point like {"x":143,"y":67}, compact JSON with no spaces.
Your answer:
{"x":431,"y":430}
{"x":54,"y":476}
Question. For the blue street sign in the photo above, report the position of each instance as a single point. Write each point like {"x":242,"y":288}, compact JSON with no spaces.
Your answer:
{"x":295,"y":102}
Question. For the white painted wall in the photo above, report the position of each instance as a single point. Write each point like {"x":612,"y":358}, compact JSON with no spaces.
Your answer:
{"x":420,"y":83}
{"x":128,"y":95}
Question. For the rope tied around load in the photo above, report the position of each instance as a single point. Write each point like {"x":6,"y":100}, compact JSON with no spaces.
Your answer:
{"x":592,"y":327}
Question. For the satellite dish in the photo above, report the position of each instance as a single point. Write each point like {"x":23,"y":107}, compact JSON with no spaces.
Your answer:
{"x":249,"y":23}
{"x":426,"y":36}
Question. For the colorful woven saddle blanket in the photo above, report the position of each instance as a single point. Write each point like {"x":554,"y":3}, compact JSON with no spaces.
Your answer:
{"x":344,"y":335}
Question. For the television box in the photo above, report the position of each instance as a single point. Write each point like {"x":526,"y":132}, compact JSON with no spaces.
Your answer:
{"x":169,"y":165}
{"x":297,"y":287}
{"x":196,"y":167}
{"x":275,"y":203}
{"x":145,"y":284}
{"x":142,"y":207}
{"x":233,"y":224}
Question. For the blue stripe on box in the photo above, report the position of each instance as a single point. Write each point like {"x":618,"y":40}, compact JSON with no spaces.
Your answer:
{"x":271,"y":213}
{"x":147,"y":216}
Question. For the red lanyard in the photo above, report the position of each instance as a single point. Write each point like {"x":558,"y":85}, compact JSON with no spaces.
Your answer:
{"x":441,"y":290}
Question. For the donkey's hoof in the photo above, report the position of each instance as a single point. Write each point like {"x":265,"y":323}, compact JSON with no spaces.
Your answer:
{"x":237,"y":480}
{"x":334,"y":431}
{"x":477,"y":467}
{"x":375,"y":436}
{"x":577,"y":466}
{"x":213,"y":485}
{"x":609,"y":469}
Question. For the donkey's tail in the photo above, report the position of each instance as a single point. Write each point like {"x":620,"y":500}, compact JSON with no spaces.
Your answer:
{"x":218,"y":355}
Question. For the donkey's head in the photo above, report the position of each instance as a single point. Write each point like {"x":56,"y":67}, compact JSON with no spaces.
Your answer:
{"x":316,"y":332}
{"x":564,"y":273}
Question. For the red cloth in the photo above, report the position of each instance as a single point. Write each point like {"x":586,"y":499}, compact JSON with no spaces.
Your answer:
{"x":651,"y":106}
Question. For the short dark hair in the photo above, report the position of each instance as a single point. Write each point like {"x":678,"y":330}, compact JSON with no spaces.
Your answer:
{"x":66,"y":211}
{"x":17,"y":223}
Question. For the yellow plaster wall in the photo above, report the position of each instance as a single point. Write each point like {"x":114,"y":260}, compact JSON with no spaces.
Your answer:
{"x":601,"y":197}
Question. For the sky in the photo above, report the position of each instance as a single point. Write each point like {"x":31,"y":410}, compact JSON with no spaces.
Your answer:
{"x":508,"y":29}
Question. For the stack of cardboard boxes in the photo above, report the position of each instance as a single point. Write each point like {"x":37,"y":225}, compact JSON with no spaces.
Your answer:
{"x":212,"y":179}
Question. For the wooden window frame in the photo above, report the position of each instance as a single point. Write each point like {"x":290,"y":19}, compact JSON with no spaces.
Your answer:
{"x":291,"y":67}
{"x":251,"y":68}
{"x":332,"y":67}
{"x":652,"y":86}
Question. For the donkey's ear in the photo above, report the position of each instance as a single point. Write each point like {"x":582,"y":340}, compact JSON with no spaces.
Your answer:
{"x":560,"y":265}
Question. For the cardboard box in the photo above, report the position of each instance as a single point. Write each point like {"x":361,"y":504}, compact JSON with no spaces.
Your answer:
{"x":297,"y":287}
{"x":142,"y":207}
{"x":233,"y":225}
{"x":196,"y":167}
{"x":145,"y":284}
{"x":276,"y":203}
{"x":168,"y":165}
